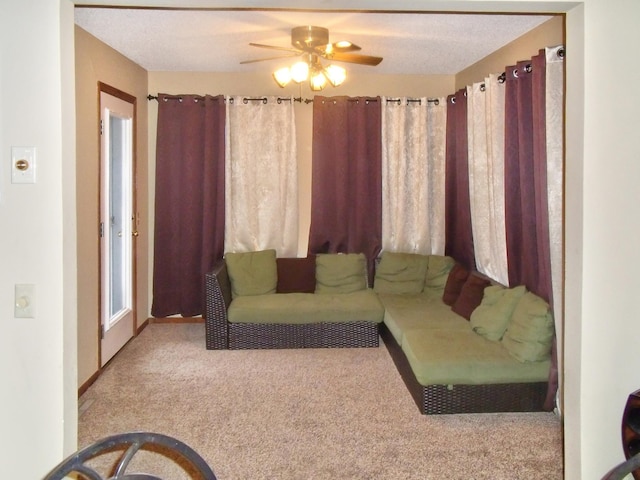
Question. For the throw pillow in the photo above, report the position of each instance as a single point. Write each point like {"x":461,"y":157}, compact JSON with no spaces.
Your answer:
{"x":491,"y":317}
{"x":457,"y":276}
{"x":438,"y":271}
{"x":296,"y":275}
{"x":530,"y":333}
{"x":340,"y":272}
{"x":401,"y":273}
{"x":470,"y":295}
{"x":252,"y":273}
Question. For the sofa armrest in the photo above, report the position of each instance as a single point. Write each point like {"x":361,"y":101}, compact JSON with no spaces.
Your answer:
{"x":217,"y":300}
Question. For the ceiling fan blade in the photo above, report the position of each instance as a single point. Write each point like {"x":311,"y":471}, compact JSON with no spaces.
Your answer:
{"x":273,"y":47}
{"x":355,"y":58}
{"x":297,"y":54}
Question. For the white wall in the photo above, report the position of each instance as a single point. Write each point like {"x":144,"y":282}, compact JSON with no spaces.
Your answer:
{"x":603,"y":168}
{"x":603,"y":158}
{"x":37,"y":355}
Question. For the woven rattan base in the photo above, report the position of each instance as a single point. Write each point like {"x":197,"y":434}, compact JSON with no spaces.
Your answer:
{"x":448,"y":399}
{"x":315,"y":335}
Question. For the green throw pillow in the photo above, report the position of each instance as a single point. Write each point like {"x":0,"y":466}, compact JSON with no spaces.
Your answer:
{"x":252,"y":273}
{"x":530,"y":333}
{"x":401,"y":273}
{"x":491,"y":317}
{"x":340,"y":272}
{"x":438,"y":271}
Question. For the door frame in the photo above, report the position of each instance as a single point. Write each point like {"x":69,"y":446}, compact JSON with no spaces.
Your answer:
{"x":126,"y":97}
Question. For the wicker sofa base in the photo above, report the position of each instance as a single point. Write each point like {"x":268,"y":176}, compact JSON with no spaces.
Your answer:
{"x":449,"y":399}
{"x":314,"y":335}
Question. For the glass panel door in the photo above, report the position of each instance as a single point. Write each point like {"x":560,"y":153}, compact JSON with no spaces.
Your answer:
{"x":116,"y":224}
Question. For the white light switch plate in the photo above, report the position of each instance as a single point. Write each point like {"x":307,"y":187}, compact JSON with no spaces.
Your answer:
{"x":23,"y":164}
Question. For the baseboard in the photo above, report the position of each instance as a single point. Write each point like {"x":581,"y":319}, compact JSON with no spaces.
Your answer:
{"x":176,"y":320}
{"x":85,"y":386}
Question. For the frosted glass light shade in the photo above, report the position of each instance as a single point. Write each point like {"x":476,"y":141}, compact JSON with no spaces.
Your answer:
{"x":335,"y":74}
{"x":300,"y":72}
{"x":282,"y":76}
{"x":317,"y":81}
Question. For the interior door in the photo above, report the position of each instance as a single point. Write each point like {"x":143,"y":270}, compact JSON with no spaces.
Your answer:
{"x":117,"y":221}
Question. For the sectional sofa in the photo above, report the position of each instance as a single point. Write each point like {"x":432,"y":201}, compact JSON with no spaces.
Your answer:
{"x":461,"y":342}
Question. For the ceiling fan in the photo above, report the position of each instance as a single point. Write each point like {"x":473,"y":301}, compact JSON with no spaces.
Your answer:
{"x":312,"y":43}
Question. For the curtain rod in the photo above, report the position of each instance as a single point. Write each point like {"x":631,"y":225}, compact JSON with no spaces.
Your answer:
{"x":245,"y":99}
{"x":288,"y":99}
{"x":435,"y":101}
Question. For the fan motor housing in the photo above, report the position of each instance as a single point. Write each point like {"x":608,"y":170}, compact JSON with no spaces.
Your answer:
{"x":309,"y":37}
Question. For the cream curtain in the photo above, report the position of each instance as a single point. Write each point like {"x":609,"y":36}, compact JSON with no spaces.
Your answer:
{"x":485,"y":120}
{"x":405,"y":196}
{"x":436,"y":154}
{"x":554,"y":100}
{"x":261,"y":186}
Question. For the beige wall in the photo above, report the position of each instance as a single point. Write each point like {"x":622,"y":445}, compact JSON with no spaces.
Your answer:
{"x":96,"y":62}
{"x":549,"y":34}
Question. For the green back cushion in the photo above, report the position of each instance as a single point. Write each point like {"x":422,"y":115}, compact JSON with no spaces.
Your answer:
{"x":252,"y":273}
{"x":438,"y":271}
{"x":401,"y":273}
{"x":530,"y":333}
{"x":340,"y":272}
{"x":491,"y":317}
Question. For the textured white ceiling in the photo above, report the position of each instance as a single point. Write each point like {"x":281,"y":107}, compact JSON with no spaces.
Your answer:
{"x":217,"y":40}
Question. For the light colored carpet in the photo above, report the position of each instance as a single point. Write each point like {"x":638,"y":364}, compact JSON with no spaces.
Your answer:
{"x":305,"y":414}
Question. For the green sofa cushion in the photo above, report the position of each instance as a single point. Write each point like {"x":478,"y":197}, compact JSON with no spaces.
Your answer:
{"x":402,"y":273}
{"x":461,"y":357}
{"x":530,"y":333}
{"x":252,"y":273}
{"x":420,"y":311}
{"x":340,"y":272}
{"x":491,"y":317}
{"x":303,"y":308}
{"x":438,"y":272}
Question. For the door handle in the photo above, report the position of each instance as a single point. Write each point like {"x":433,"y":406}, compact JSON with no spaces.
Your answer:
{"x":135,"y":233}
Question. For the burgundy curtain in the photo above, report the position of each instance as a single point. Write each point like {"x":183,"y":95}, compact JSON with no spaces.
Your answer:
{"x":189,"y":205}
{"x":458,"y":232}
{"x":526,"y":210}
{"x":346,"y":191}
{"x":526,"y":197}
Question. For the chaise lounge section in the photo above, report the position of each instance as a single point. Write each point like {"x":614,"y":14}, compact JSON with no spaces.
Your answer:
{"x":462,"y":343}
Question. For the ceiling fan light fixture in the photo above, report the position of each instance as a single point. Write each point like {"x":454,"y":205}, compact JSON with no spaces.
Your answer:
{"x":299,"y":71}
{"x":335,"y":74}
{"x":282,"y":76}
